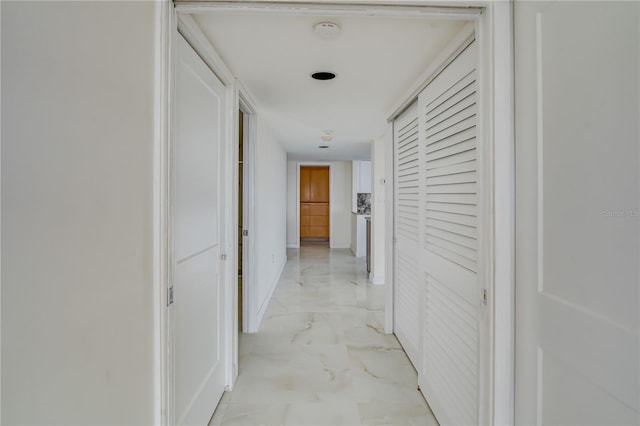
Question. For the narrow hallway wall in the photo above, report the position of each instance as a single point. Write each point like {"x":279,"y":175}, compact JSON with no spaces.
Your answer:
{"x":378,"y":195}
{"x":270,"y":213}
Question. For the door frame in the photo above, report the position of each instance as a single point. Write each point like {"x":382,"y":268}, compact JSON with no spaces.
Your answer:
{"x":496,"y":53}
{"x":313,"y":163}
{"x":496,"y":154}
{"x":249,"y":301}
{"x":165,"y":46}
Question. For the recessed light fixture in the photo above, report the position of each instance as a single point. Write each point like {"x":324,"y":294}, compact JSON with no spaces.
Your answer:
{"x":323,"y":146}
{"x":327,"y":138}
{"x":323,"y":75}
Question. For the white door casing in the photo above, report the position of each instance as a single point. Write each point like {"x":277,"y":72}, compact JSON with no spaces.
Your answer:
{"x":577,"y":210}
{"x":248,"y":241}
{"x":196,"y":217}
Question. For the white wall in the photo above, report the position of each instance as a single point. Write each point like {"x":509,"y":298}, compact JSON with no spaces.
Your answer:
{"x":359,"y":235}
{"x":361,"y":176}
{"x":354,"y":234}
{"x":378,"y":229}
{"x":292,"y":205}
{"x":271,"y":214}
{"x":77,"y":151}
{"x":340,"y":203}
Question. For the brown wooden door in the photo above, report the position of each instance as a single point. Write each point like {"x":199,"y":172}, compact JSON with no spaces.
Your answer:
{"x":314,"y":202}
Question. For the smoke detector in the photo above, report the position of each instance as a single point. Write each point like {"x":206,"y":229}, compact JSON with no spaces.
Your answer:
{"x":327,"y":30}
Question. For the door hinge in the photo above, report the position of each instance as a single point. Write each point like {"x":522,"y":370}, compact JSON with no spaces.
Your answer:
{"x":170,"y":296}
{"x":484,"y":296}
{"x":394,"y":240}
{"x":223,"y":256}
{"x":245,"y":233}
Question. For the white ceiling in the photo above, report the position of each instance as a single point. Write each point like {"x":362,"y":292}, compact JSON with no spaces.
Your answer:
{"x":376,"y":59}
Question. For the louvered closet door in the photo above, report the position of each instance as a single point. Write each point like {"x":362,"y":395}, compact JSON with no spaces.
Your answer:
{"x":449,"y":372}
{"x":406,"y":223}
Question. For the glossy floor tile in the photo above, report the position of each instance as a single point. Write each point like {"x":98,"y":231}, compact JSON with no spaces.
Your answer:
{"x":321,"y":356}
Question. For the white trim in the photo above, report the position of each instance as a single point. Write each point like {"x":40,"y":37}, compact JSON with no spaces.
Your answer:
{"x":504,"y":213}
{"x":242,"y":101}
{"x":293,"y":245}
{"x":165,"y":18}
{"x":1,"y":220}
{"x":190,"y":30}
{"x":249,"y":295}
{"x":341,"y":246}
{"x":444,"y":58}
{"x":484,"y":150}
{"x":170,"y":350}
{"x":265,"y":303}
{"x":248,"y":103}
{"x":442,"y":10}
{"x":389,"y":245}
{"x":234,"y":138}
{"x":313,"y":163}
{"x":230,"y":267}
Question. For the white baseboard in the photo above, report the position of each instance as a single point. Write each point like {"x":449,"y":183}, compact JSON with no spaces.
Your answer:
{"x":341,"y":246}
{"x":356,"y":253}
{"x":377,"y":279}
{"x":265,"y":304}
{"x":293,"y":245}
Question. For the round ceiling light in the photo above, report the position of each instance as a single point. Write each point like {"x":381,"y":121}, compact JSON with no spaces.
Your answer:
{"x":323,"y":75}
{"x":327,"y":30}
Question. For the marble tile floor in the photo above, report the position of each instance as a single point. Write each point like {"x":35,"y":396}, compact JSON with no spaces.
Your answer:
{"x":321,"y":356}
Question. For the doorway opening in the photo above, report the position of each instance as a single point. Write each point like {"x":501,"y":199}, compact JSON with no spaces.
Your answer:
{"x":314,"y":205}
{"x":398,"y":107}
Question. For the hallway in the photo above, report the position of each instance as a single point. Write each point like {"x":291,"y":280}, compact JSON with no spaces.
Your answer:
{"x":321,"y":356}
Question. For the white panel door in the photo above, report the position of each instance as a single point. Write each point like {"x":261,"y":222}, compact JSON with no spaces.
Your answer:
{"x":578,"y":194}
{"x":448,"y":372}
{"x":407,"y":281}
{"x":197,"y":214}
